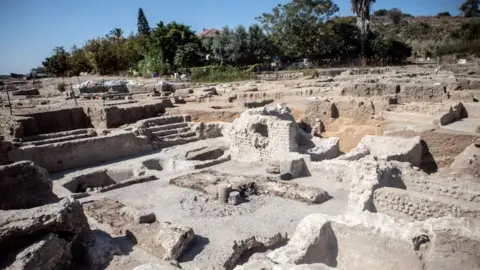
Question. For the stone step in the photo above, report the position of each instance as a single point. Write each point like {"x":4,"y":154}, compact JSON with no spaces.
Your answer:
{"x":164,"y":120}
{"x":178,"y":135}
{"x":154,"y":129}
{"x":167,"y":132}
{"x":54,"y":135}
{"x":59,"y":139}
{"x":173,"y":142}
{"x":412,"y":205}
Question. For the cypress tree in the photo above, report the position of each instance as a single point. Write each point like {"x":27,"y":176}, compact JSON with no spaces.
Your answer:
{"x":142,"y":25}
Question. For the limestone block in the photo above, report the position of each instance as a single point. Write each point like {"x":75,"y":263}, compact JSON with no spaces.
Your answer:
{"x":173,"y":239}
{"x":223,"y":192}
{"x":24,"y":185}
{"x":266,"y":264}
{"x":324,"y":149}
{"x":273,"y":167}
{"x":50,"y":252}
{"x":355,"y":154}
{"x":156,"y":266}
{"x":468,"y":160}
{"x":63,"y":218}
{"x":210,"y":90}
{"x":293,"y":167}
{"x":394,"y":148}
{"x":183,"y":92}
{"x":235,"y":198}
{"x":339,"y":241}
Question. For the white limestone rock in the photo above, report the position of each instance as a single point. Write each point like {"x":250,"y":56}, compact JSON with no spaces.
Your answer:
{"x":292,"y":167}
{"x":174,"y":239}
{"x":394,"y":148}
{"x":340,"y":242}
{"x":324,"y":149}
{"x":355,"y":154}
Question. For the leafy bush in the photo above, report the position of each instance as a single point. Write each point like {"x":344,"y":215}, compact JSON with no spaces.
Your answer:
{"x":219,"y":74}
{"x":444,"y":14}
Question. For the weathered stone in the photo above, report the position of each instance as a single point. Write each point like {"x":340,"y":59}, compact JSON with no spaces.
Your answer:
{"x":355,"y":154}
{"x":24,"y":185}
{"x":273,"y":168}
{"x":210,"y":90}
{"x":207,"y":181}
{"x":248,"y":244}
{"x":18,"y":228}
{"x":223,"y":192}
{"x":26,"y":92}
{"x":455,"y":114}
{"x":266,"y":264}
{"x":324,"y":149}
{"x":50,"y":252}
{"x":157,"y":266}
{"x":293,"y":167}
{"x":173,"y":239}
{"x":394,"y":148}
{"x":235,"y":198}
{"x":339,"y":241}
{"x":468,"y":160}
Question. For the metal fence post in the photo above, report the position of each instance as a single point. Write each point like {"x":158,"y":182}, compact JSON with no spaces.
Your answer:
{"x":9,"y":103}
{"x":73,"y":93}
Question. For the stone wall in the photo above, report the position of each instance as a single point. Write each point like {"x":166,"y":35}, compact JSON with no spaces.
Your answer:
{"x":14,"y":126}
{"x":377,"y":241}
{"x":24,"y":185}
{"x":84,"y":152}
{"x":441,"y":147}
{"x":112,"y":117}
{"x":411,"y":205}
{"x":56,"y":121}
{"x":256,"y":138}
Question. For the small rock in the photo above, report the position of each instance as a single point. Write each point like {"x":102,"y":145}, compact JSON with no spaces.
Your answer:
{"x":223,"y":192}
{"x":235,"y":198}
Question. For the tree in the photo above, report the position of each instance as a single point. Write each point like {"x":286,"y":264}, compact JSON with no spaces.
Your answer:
{"x":362,"y":9}
{"x":470,"y":8}
{"x":79,"y":61}
{"x":221,"y":45}
{"x":260,"y":48}
{"x":58,"y":64}
{"x":116,"y":33}
{"x":169,"y":38}
{"x":395,"y":15}
{"x":470,"y":30}
{"x":142,"y":24}
{"x":187,"y":55}
{"x":296,"y":28}
{"x":380,"y":12}
{"x":444,"y":14}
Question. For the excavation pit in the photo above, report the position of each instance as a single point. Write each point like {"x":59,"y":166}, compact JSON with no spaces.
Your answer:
{"x":104,"y":180}
{"x":209,"y":153}
{"x":153,"y":164}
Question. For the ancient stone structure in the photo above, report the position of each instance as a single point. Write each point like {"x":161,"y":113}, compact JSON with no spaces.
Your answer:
{"x":24,"y":185}
{"x":359,"y":168}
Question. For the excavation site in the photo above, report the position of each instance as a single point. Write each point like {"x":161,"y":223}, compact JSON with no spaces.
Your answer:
{"x":165,"y":162}
{"x":374,"y":169}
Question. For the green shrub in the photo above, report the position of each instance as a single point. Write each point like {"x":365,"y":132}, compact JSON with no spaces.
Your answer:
{"x":219,"y":74}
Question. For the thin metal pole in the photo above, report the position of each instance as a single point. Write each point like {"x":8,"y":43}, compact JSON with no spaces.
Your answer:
{"x":73,"y":93}
{"x":9,"y":103}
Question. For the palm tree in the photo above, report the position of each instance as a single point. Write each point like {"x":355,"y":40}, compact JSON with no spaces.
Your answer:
{"x":362,"y":9}
{"x":117,"y":33}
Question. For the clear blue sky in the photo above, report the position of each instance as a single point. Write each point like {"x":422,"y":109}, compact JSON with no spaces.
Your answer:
{"x":29,"y":29}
